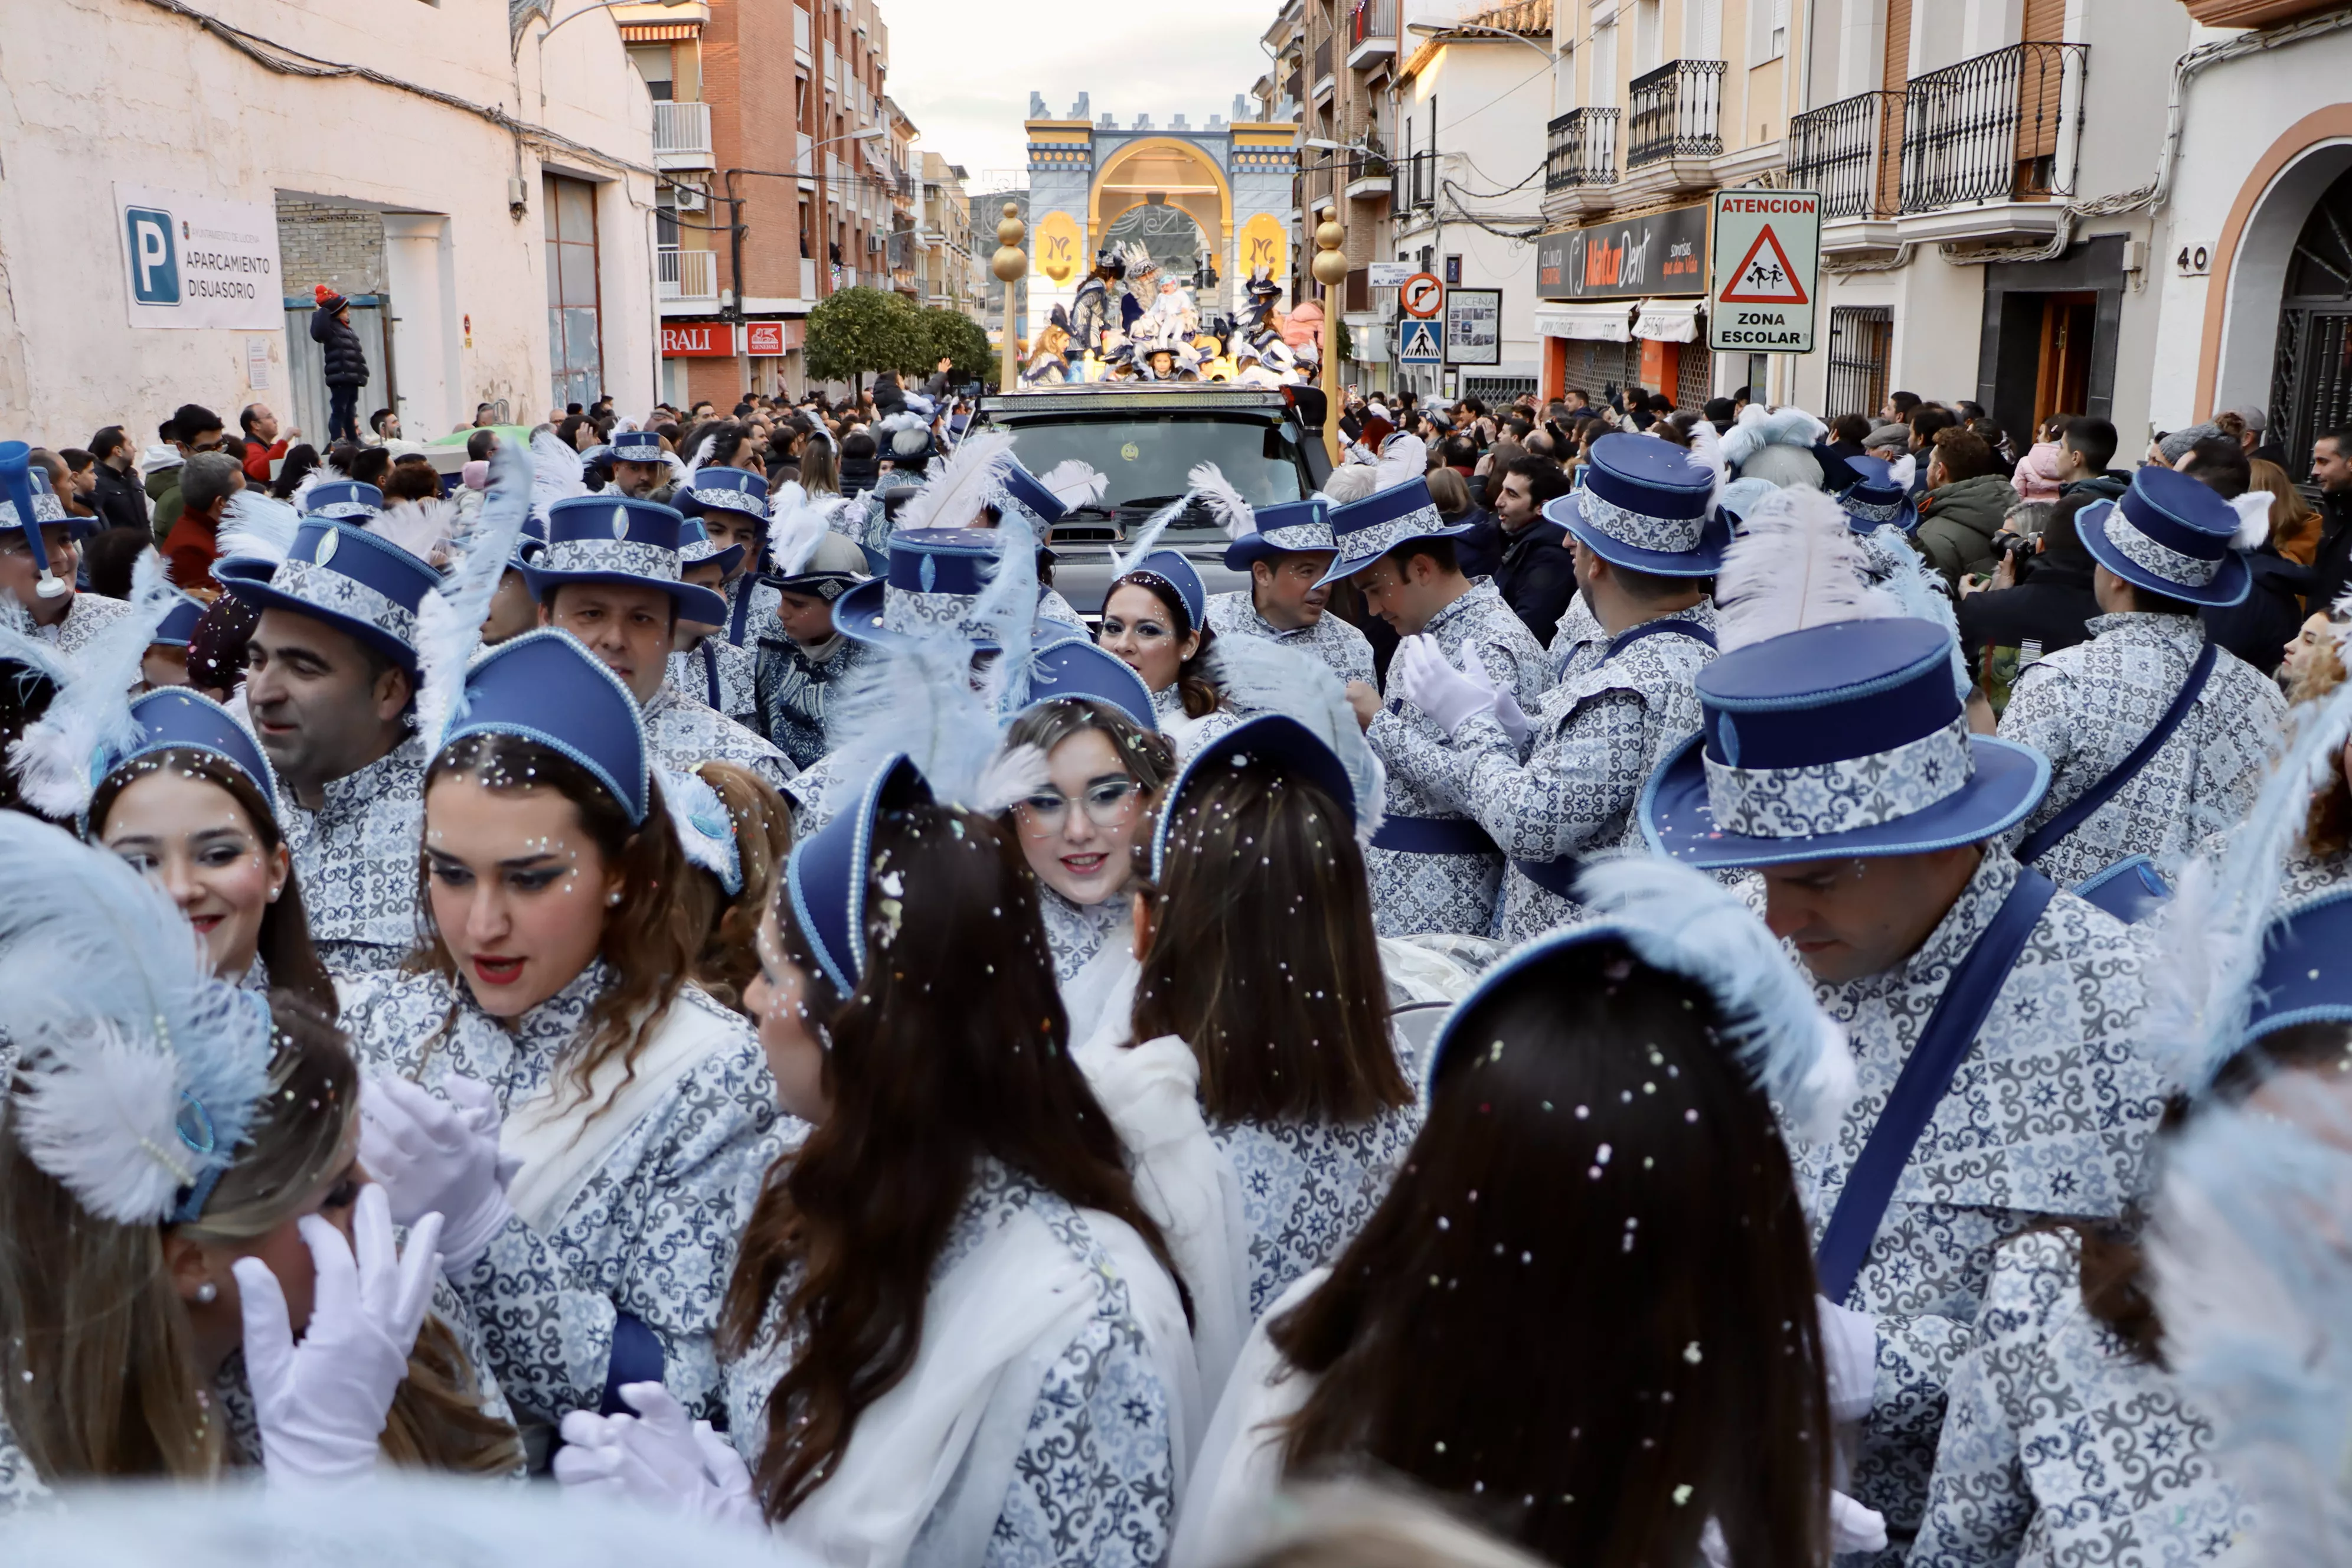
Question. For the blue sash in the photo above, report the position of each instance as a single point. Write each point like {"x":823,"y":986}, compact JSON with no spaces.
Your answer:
{"x":636,"y":1358}
{"x":2131,"y":889}
{"x":737,"y":622}
{"x":710,"y":669}
{"x":1942,"y":1046}
{"x":1433,"y":835}
{"x":1680,"y":628}
{"x":2043,"y":839}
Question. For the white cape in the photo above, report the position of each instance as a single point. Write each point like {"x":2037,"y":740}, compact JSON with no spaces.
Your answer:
{"x":1239,"y":1470}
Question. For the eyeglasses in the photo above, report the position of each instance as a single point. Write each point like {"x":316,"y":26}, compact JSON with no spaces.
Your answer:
{"x":1106,"y":805}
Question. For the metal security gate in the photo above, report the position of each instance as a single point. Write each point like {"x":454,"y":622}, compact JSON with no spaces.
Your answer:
{"x":1862,"y":347}
{"x":1494,"y":391}
{"x":2311,"y":377}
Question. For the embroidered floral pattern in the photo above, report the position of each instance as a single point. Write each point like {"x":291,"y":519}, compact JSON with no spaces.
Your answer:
{"x":625,"y":557}
{"x":1308,"y":1187}
{"x":794,"y":690}
{"x":1347,"y":650}
{"x":1837,"y":797}
{"x":1075,"y":932}
{"x":330,"y":590}
{"x":355,"y":858}
{"x":682,"y":733}
{"x":721,"y":676}
{"x":2155,"y":557}
{"x":1673,"y":535}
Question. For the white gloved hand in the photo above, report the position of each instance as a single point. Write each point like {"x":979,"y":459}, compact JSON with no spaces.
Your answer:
{"x":432,"y":1155}
{"x":1421,"y":675}
{"x":478,"y":1108}
{"x":1854,"y":1528}
{"x":321,"y":1404}
{"x":660,"y":1457}
{"x":1849,"y":1359}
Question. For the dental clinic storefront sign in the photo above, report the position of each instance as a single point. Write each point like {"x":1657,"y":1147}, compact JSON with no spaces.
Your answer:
{"x":194,"y":261}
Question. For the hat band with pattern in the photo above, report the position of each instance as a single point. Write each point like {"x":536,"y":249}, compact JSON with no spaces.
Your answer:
{"x":1837,"y":797}
{"x":2155,"y":557}
{"x":342,"y":509}
{"x":1666,"y":535}
{"x":929,"y":615}
{"x":730,"y":500}
{"x":1300,"y":536}
{"x":46,"y":508}
{"x":615,"y":557}
{"x":1873,"y":510}
{"x":347,"y":596}
{"x":1380,"y":538}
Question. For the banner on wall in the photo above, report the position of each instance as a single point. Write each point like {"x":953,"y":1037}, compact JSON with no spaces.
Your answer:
{"x":1263,"y":245}
{"x":194,"y":261}
{"x":1060,"y":250}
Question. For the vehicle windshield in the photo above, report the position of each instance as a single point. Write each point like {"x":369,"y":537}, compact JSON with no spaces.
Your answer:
{"x":1147,"y":456}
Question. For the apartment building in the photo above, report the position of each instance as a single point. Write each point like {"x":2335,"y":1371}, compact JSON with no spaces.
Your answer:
{"x":948,"y":270}
{"x":903,"y":242}
{"x":779,"y":183}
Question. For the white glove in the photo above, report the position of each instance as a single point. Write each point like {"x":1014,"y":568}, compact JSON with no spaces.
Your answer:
{"x":478,"y":1108}
{"x":321,"y":1404}
{"x":660,"y":1457}
{"x":1849,"y":1357}
{"x":1853,"y":1527}
{"x":1421,"y":675}
{"x":432,"y":1155}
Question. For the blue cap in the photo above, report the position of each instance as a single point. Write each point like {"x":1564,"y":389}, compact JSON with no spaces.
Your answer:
{"x":695,"y":546}
{"x":175,"y":718}
{"x":543,"y":686}
{"x":612,"y":537}
{"x":1073,"y":667}
{"x":637,"y":447}
{"x":1271,"y":738}
{"x":178,"y":626}
{"x":2304,"y":979}
{"x":825,"y":877}
{"x":1873,"y":499}
{"x":345,"y":499}
{"x":1286,"y":528}
{"x":1842,"y":740}
{"x":1364,"y":530}
{"x":1645,"y":505}
{"x":931,"y":587}
{"x":1181,"y":576}
{"x":2169,"y":535}
{"x":726,"y":489}
{"x":345,"y":576}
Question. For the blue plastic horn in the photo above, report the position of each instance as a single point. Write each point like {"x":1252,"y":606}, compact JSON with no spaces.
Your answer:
{"x":16,"y":480}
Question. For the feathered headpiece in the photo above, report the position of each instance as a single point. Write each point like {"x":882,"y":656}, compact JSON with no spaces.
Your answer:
{"x":1707,"y":450}
{"x":960,"y":485}
{"x":1685,"y":921}
{"x":1074,"y":483}
{"x":258,"y":525}
{"x":1796,"y":566}
{"x":1919,"y":591}
{"x":89,"y":719}
{"x":1759,"y":427}
{"x":705,"y":827}
{"x":1232,"y":511}
{"x":450,"y":619}
{"x":139,"y":1070}
{"x":1146,"y":538}
{"x":419,"y":527}
{"x":795,"y":529}
{"x":1261,"y":677}
{"x":555,"y":472}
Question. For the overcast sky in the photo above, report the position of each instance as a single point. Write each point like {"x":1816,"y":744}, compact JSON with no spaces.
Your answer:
{"x":964,"y":72}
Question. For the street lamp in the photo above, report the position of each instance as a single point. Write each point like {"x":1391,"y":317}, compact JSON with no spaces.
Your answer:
{"x":1478,"y":29}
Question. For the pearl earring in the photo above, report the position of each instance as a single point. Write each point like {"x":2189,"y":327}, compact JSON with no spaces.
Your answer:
{"x":612,"y":901}
{"x":207,"y":1293}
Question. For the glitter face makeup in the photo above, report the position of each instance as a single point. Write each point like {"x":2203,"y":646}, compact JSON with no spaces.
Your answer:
{"x":517,"y":889}
{"x":1138,"y":628}
{"x":1077,"y":831}
{"x":190,"y":838}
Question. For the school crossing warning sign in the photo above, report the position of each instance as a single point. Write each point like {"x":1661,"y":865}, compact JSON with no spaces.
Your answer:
{"x":1764,"y":255}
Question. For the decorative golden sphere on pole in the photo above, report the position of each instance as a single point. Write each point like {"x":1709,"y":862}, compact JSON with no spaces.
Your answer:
{"x":1010,"y":264}
{"x":1330,"y":269}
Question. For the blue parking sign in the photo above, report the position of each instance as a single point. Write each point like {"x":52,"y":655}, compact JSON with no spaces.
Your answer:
{"x":155,"y":255}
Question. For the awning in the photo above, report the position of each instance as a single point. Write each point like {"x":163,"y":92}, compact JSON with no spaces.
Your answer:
{"x":1601,"y":323}
{"x":1668,"y":320}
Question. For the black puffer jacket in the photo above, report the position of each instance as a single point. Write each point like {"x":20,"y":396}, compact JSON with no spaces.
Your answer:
{"x":347,"y":362}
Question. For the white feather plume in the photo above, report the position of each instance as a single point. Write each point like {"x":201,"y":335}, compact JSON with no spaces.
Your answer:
{"x":1686,"y":922}
{"x":1707,"y":450}
{"x":258,"y":525}
{"x":112,"y":1004}
{"x":1013,"y":774}
{"x":1257,"y":676}
{"x":696,"y":462}
{"x":1403,"y":461}
{"x":1796,"y":566}
{"x":961,"y":484}
{"x":419,"y":527}
{"x":1006,"y":614}
{"x":1074,"y":483}
{"x":554,"y":471}
{"x":1902,"y":471}
{"x":89,"y":719}
{"x":1225,"y":503}
{"x":317,"y":476}
{"x":450,"y":619}
{"x":2253,"y":509}
{"x":1146,"y":538}
{"x":705,"y":827}
{"x":1919,"y":591}
{"x":796,"y":528}
{"x":1747,"y":436}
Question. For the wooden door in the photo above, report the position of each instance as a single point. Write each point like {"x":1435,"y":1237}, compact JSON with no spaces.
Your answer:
{"x":2062,"y":384}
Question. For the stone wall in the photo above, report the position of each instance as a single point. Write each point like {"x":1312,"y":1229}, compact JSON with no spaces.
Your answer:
{"x":320,"y":243}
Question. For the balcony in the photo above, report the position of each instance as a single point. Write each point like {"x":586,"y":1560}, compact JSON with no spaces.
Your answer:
{"x":1319,"y":71}
{"x":1999,"y":131}
{"x":1413,"y":183}
{"x":1675,"y":113}
{"x":1372,"y":33}
{"x":801,"y":34}
{"x":1842,"y":150}
{"x":808,"y":277}
{"x":682,"y":136}
{"x":1580,"y":150}
{"x":685,"y":281}
{"x":805,"y":165}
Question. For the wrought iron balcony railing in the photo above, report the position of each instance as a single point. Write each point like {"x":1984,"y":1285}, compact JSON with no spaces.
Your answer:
{"x":1844,"y":150}
{"x":2001,"y":127}
{"x":1676,"y":111}
{"x":1581,"y":149}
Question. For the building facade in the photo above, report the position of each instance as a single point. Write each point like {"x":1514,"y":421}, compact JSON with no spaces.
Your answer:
{"x":947,"y":272}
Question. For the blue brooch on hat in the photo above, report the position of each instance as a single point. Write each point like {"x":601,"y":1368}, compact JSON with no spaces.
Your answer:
{"x":1284,"y":528}
{"x":825,"y":877}
{"x":1645,"y":505}
{"x":1364,"y":530}
{"x":1074,"y":667}
{"x":173,"y":718}
{"x":610,"y":538}
{"x":2173,"y":535}
{"x":346,"y":500}
{"x":339,"y":573}
{"x":544,"y":686}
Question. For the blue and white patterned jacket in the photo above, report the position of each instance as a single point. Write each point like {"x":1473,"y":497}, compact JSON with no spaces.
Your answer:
{"x":652,"y":1234}
{"x":87,"y":615}
{"x":2059,"y":1448}
{"x":355,"y":858}
{"x":1347,"y":650}
{"x":1454,"y":893}
{"x":2046,"y":1117}
{"x":682,"y":733}
{"x":2085,"y":707}
{"x":1308,"y":1187}
{"x":797,"y":692}
{"x":720,"y":674}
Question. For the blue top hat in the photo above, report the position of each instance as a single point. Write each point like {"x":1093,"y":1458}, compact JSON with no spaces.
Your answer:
{"x":543,"y":686}
{"x":637,"y":447}
{"x":1271,"y":738}
{"x":1287,"y":528}
{"x":345,"y":576}
{"x":1182,"y":578}
{"x":1873,"y":499}
{"x":1364,"y":530}
{"x":178,"y":626}
{"x":529,"y":544}
{"x":723,"y":490}
{"x":1842,"y":740}
{"x":173,"y":718}
{"x":1073,"y":667}
{"x":695,"y":546}
{"x":46,"y":507}
{"x":825,"y":877}
{"x":932,"y":588}
{"x":2170,"y":535}
{"x":1645,"y":505}
{"x":2304,"y":979}
{"x":345,"y":499}
{"x":1021,"y":488}
{"x":617,"y":538}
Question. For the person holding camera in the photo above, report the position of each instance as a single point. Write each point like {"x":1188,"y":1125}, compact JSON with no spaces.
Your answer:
{"x":2037,"y":600}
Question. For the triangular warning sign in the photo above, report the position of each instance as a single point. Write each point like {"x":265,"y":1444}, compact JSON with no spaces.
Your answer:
{"x":1761,"y":279}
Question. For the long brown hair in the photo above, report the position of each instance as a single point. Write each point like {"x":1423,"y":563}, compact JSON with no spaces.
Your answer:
{"x":1262,"y":957}
{"x":646,"y":941}
{"x":1199,"y":692}
{"x":98,"y":1361}
{"x":950,"y":1051}
{"x":726,"y":927}
{"x":285,"y":947}
{"x":1585,"y":1308}
{"x":2327,"y":820}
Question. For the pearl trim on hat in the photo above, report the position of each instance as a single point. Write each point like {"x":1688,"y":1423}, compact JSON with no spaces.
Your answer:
{"x":1839,"y":796}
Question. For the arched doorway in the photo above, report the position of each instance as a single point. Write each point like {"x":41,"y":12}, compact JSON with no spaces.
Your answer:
{"x":1171,"y":197}
{"x":2311,"y":374}
{"x":1175,"y":241}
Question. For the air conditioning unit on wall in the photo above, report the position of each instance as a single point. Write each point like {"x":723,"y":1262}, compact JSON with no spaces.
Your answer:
{"x":874,"y":245}
{"x":688,"y":199}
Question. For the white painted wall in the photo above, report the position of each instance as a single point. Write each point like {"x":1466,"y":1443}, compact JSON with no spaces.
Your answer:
{"x":100,"y":90}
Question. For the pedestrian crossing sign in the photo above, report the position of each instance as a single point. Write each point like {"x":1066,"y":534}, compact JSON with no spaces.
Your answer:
{"x":1764,"y":252}
{"x":1420,"y":342}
